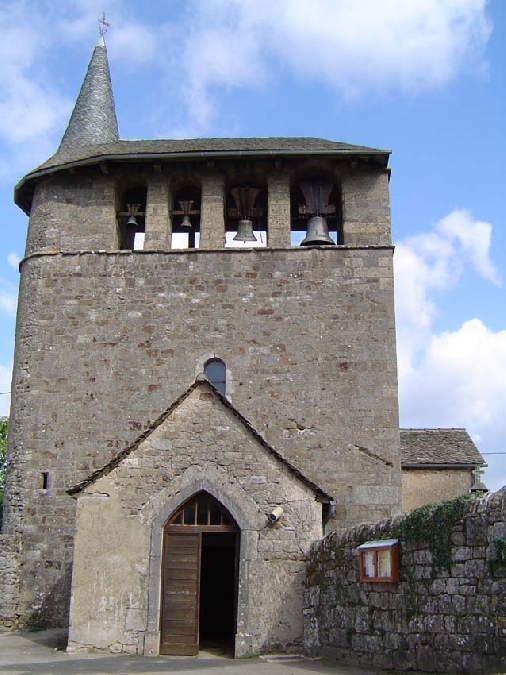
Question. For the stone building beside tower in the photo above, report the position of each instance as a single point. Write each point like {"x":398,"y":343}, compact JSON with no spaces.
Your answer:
{"x":190,"y":413}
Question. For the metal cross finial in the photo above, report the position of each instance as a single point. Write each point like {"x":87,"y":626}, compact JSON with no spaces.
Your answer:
{"x":103,"y":25}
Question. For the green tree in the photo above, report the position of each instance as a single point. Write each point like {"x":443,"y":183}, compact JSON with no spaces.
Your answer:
{"x":3,"y":460}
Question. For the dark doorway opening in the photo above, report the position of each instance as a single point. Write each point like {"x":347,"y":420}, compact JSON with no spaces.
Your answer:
{"x":218,"y":574}
{"x":199,"y":579}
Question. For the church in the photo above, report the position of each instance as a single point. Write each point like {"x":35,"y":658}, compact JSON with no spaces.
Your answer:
{"x":205,"y":382}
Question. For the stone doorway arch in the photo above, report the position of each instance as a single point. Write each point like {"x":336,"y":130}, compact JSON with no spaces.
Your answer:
{"x":199,"y":577}
{"x":248,"y":519}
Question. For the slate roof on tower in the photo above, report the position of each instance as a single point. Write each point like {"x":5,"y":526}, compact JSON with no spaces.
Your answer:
{"x":92,"y":138}
{"x":191,"y":149}
{"x":93,"y":120}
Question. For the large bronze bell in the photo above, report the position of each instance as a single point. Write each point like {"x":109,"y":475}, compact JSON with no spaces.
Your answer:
{"x":317,"y":233}
{"x":245,"y":231}
{"x":186,"y":208}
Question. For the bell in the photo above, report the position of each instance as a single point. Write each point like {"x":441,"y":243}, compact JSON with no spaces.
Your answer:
{"x":317,"y":233}
{"x":186,"y":206}
{"x":245,"y":231}
{"x":132,"y":221}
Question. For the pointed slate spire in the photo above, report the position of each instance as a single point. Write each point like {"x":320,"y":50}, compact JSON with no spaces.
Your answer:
{"x":93,"y":120}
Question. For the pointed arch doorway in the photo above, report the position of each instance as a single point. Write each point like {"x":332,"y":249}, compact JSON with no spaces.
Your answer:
{"x":199,"y":578}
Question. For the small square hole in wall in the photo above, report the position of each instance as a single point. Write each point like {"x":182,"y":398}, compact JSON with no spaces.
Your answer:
{"x":44,"y":480}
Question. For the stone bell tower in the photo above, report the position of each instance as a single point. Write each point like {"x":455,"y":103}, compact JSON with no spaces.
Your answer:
{"x":133,"y":284}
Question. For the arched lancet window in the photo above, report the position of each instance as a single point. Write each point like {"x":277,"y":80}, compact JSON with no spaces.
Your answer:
{"x":216,"y":372}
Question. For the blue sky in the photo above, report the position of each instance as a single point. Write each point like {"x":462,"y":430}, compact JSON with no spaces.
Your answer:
{"x":424,"y":78}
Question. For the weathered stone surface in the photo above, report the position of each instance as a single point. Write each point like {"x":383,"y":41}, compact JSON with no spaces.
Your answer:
{"x":139,"y":340}
{"x":9,"y":581}
{"x":121,"y":515}
{"x":107,"y":339}
{"x":428,"y":621}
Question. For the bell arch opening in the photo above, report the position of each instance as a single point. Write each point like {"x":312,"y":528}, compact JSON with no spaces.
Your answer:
{"x":200,"y":570}
{"x":185,"y":217}
{"x":246,"y":215}
{"x":131,"y":217}
{"x":315,"y":211}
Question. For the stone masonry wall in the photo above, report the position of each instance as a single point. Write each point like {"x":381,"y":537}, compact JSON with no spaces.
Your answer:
{"x":105,"y":342}
{"x":73,"y":214}
{"x":8,"y":582}
{"x":117,"y":565}
{"x":448,"y":619}
{"x":366,"y":208}
{"x":107,"y":339}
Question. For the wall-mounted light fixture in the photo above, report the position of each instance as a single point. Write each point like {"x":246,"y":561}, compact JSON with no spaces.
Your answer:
{"x":274,"y":515}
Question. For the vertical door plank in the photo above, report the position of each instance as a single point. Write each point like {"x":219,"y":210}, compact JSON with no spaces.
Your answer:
{"x":180,"y":593}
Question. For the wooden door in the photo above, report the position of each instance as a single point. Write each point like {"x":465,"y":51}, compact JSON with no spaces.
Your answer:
{"x":180,"y":593}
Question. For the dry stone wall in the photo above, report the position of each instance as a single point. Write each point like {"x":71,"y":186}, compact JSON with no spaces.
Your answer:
{"x":449,"y":618}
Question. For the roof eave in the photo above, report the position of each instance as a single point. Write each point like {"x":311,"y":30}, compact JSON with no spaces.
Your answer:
{"x":381,"y":157}
{"x":321,"y":495}
{"x":442,"y":465}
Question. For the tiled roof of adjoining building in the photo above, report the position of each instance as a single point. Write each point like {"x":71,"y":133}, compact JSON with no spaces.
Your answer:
{"x":438,"y":447}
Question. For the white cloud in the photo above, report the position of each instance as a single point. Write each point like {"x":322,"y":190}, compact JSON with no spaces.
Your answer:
{"x":355,"y":48}
{"x":132,"y":43}
{"x":29,"y":106}
{"x":473,"y":238}
{"x":28,"y":109}
{"x":456,"y":378}
{"x":77,"y":20}
{"x":8,"y":298}
{"x":129,"y":40}
{"x":460,"y":379}
{"x":429,"y":263}
{"x":5,"y":387}
{"x":13,"y":260}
